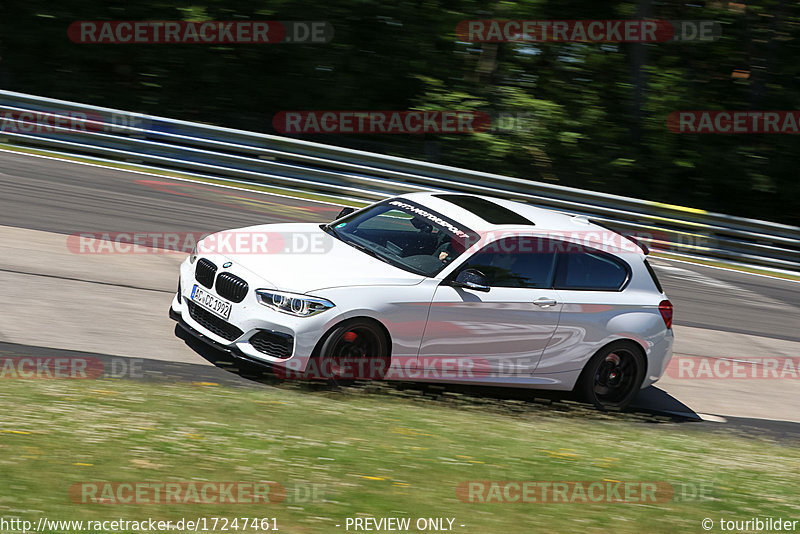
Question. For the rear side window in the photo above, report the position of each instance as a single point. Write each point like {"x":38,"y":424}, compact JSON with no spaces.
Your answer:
{"x":513,"y":262}
{"x":591,"y":271}
{"x":654,"y":277}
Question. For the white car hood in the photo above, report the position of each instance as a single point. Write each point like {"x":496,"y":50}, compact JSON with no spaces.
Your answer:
{"x":325,"y":263}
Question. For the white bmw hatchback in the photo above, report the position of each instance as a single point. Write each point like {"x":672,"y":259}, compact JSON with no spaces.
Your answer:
{"x":437,"y":287}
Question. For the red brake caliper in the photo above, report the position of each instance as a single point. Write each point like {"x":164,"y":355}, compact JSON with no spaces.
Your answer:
{"x":350,"y":337}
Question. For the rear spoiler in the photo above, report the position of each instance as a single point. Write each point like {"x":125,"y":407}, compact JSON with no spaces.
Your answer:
{"x":636,"y":240}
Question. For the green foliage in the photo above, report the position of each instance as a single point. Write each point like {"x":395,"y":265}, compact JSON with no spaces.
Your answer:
{"x":585,"y":115}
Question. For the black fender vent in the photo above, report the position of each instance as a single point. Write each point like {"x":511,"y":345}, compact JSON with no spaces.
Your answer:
{"x":273,"y":344}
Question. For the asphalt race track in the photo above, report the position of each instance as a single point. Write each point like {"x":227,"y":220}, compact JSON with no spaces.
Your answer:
{"x":116,"y":304}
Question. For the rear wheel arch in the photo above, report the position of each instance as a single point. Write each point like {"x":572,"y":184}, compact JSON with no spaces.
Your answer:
{"x":622,"y":340}
{"x":584,"y":386}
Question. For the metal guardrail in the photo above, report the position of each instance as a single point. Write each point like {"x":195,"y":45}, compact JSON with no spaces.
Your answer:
{"x":223,"y":152}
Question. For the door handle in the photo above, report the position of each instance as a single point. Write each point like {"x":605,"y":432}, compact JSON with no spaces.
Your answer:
{"x":545,"y":302}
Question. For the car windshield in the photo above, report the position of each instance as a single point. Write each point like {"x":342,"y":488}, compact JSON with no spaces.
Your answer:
{"x":406,"y":235}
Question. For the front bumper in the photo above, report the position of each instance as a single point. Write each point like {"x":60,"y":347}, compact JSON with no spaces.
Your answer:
{"x":248,"y":319}
{"x":233,"y":351}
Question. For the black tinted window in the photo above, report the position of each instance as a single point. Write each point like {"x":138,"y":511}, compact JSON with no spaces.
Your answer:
{"x":406,"y":235}
{"x":486,"y":210}
{"x":513,"y":262}
{"x":653,"y":276}
{"x":591,"y":270}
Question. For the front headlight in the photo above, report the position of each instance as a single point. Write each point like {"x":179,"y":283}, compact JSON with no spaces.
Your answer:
{"x":292,"y":303}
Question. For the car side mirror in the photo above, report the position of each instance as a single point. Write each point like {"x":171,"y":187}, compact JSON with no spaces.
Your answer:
{"x":345,"y":212}
{"x":472,"y":279}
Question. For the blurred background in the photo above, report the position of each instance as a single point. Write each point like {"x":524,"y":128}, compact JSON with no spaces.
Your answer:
{"x":595,"y":115}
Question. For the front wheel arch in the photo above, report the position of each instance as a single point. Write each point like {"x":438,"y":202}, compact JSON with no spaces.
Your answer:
{"x":333,"y":327}
{"x":334,"y":356}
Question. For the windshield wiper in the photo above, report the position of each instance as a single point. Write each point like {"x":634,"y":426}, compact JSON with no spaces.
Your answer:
{"x":385,"y":259}
{"x":328,"y":229}
{"x":368,"y":250}
{"x":332,"y":231}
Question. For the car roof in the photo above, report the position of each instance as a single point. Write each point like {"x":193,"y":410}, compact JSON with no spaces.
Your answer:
{"x":535,"y":219}
{"x":538,"y":218}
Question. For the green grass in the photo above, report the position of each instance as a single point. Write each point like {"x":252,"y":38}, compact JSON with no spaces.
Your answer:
{"x":379,"y":452}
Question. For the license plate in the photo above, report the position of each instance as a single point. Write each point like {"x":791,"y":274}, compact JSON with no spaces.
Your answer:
{"x":211,"y":302}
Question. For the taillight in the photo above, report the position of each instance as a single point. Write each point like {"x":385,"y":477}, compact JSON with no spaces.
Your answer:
{"x":666,"y":312}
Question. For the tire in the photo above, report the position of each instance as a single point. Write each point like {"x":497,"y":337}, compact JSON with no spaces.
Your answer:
{"x":357,"y":349}
{"x":613,"y":377}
